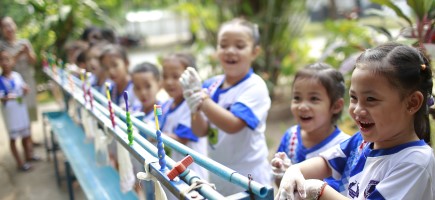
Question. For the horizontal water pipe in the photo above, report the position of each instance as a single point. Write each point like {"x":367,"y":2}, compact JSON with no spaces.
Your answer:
{"x":211,"y":165}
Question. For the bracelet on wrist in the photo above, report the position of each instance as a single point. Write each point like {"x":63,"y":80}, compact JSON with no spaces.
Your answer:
{"x":321,"y":190}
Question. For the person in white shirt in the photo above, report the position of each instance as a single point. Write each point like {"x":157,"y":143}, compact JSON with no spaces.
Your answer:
{"x":317,"y":103}
{"x":233,"y":108}
{"x":176,"y":114}
{"x":12,"y":91}
{"x":389,"y":158}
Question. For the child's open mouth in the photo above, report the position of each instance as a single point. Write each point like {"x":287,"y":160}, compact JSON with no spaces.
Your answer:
{"x":305,"y":118}
{"x":365,"y":126}
{"x":231,"y":61}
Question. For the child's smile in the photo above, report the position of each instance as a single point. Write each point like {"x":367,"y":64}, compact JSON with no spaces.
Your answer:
{"x":311,"y":104}
{"x":377,"y":108}
{"x":305,"y":119}
{"x":236,"y":51}
{"x":365,"y":126}
{"x":230,"y":61}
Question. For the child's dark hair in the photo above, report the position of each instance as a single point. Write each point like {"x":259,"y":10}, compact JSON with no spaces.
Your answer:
{"x":109,"y":35}
{"x":88,"y":30}
{"x":81,"y":58}
{"x":255,"y":33}
{"x":329,"y":77}
{"x":146,"y":67}
{"x":186,"y":59}
{"x":114,"y":49}
{"x":407,"y":69}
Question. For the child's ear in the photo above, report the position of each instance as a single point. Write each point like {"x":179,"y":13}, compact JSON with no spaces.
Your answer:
{"x":337,"y":107}
{"x":256,"y":51}
{"x":414,"y":102}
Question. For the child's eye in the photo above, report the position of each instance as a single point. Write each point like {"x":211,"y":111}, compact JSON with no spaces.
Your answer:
{"x":370,"y":99}
{"x":223,"y":46}
{"x":296,"y":98}
{"x":241,"y":46}
{"x":314,"y":99}
{"x":353,"y":98}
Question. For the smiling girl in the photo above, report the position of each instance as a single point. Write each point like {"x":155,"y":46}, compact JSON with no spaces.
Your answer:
{"x":389,"y":158}
{"x":233,"y":108}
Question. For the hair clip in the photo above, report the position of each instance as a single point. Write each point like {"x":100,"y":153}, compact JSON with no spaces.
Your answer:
{"x":423,"y":67}
{"x":430,"y":101}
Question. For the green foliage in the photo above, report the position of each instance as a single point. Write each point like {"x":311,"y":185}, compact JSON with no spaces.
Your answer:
{"x":280,"y":23}
{"x":345,"y":38}
{"x":420,"y":24}
{"x":395,"y":8}
{"x":50,"y":24}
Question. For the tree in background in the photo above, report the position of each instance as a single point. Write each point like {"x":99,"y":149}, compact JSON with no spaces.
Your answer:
{"x":280,"y":23}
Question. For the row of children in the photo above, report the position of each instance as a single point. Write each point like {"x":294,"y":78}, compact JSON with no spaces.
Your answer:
{"x":391,"y":91}
{"x":390,"y":96}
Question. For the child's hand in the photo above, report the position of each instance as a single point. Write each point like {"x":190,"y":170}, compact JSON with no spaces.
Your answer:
{"x":25,"y":90}
{"x":193,"y":99}
{"x":313,"y":188}
{"x":292,"y":181}
{"x":192,"y":88}
{"x":190,"y":80}
{"x":280,"y":163}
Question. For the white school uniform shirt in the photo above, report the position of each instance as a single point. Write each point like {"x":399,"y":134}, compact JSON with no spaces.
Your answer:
{"x":292,"y":145}
{"x":119,"y":100}
{"x":177,"y":121}
{"x":14,"y":112}
{"x":93,"y":81}
{"x":245,"y":151}
{"x":148,"y":118}
{"x":405,"y":171}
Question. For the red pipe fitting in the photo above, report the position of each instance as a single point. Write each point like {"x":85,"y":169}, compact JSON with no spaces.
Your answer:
{"x":180,"y":167}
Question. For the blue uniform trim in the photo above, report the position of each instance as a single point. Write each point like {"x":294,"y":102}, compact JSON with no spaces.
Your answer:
{"x":3,"y":86}
{"x":185,"y":132}
{"x":181,"y":130}
{"x":375,"y":195}
{"x":393,"y":150}
{"x":302,"y":151}
{"x":220,"y":91}
{"x":368,"y":152}
{"x":350,"y":149}
{"x":115,"y":95}
{"x":207,"y":83}
{"x":245,"y":113}
{"x":283,"y":146}
{"x":335,"y":184}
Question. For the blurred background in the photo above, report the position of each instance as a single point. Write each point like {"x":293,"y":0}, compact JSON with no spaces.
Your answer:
{"x":293,"y":33}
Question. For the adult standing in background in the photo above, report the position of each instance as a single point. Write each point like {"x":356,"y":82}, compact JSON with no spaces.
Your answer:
{"x":25,"y":57}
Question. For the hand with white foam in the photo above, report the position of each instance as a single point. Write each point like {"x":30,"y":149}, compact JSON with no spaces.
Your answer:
{"x":190,"y":80}
{"x":313,"y":188}
{"x":292,"y":183}
{"x":193,"y":99}
{"x":280,"y":163}
{"x":192,"y":88}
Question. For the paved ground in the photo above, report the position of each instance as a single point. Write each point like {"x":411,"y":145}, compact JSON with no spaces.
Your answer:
{"x":37,"y":184}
